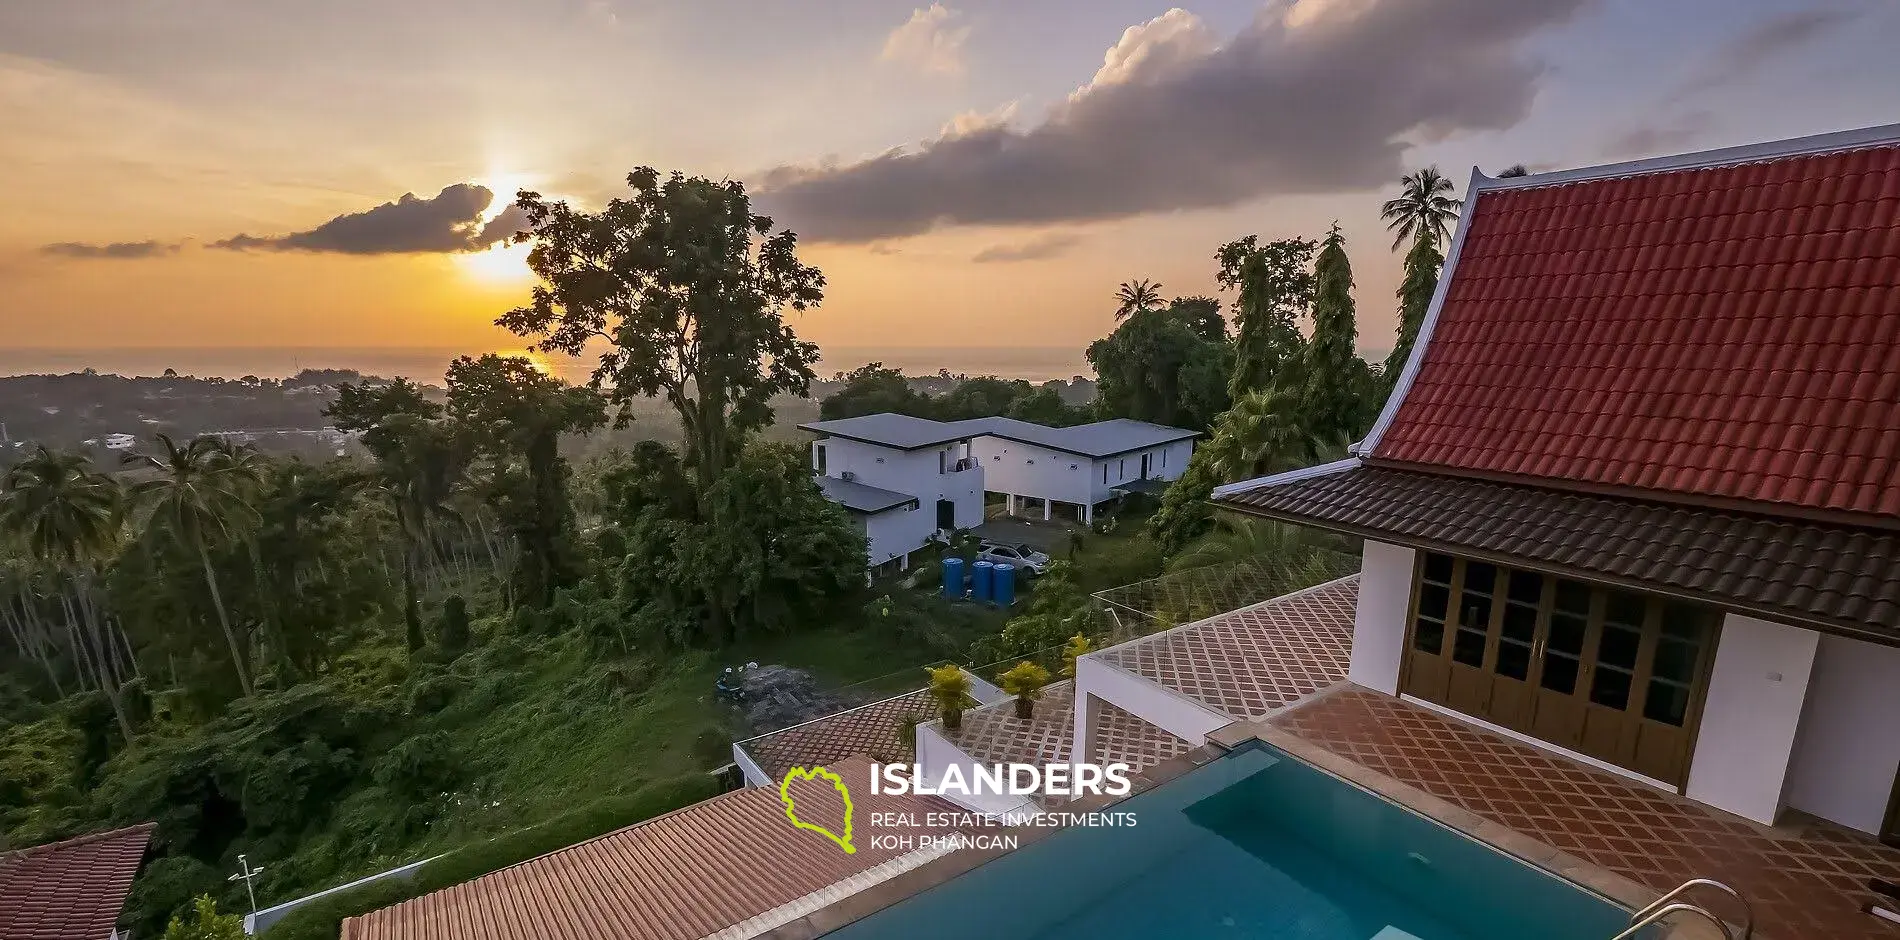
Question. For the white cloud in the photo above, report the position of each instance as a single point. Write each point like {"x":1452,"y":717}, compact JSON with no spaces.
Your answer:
{"x":931,"y":41}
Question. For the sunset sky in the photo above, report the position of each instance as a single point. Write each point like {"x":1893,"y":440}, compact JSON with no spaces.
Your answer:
{"x":197,"y":172}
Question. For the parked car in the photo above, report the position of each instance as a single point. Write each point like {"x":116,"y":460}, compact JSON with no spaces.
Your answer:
{"x":1024,"y":557}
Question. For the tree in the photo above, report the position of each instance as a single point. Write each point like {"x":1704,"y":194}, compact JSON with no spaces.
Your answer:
{"x":1275,"y":281}
{"x":452,"y":634}
{"x":420,"y":457}
{"x":205,"y":923}
{"x":69,"y":518}
{"x":1263,"y":433}
{"x":872,"y":389}
{"x":1424,"y":208}
{"x":1136,"y":297}
{"x":688,"y":288}
{"x":510,"y":410}
{"x":1416,"y":289}
{"x":205,"y":493}
{"x":1332,"y":367}
{"x":1512,"y":171}
{"x":1142,"y":367}
{"x":1202,"y":315}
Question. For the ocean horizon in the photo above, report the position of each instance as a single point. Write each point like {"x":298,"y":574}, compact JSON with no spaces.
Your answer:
{"x":1032,"y":363}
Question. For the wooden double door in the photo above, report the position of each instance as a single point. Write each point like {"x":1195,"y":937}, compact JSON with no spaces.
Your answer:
{"x":1611,"y":674}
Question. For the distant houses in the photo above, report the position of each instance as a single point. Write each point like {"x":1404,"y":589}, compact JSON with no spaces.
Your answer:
{"x":911,"y":480}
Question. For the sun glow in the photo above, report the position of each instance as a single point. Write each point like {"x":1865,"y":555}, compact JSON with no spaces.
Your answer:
{"x":501,"y":263}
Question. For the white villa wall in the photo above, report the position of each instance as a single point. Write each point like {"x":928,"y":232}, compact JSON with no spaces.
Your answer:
{"x":1029,"y":470}
{"x":1848,"y":748}
{"x":1378,"y":632}
{"x":891,"y":533}
{"x":1750,"y":717}
{"x":1125,"y":467}
{"x":923,"y":474}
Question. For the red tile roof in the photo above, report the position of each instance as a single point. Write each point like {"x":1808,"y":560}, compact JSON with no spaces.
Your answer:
{"x":688,"y":874}
{"x":1730,"y":332}
{"x":70,"y":890}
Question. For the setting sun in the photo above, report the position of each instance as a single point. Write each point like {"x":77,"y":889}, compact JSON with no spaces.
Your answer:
{"x":500,"y":264}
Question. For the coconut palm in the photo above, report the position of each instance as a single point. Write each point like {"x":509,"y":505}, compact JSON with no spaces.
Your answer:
{"x":1512,"y":171}
{"x":1424,"y":208}
{"x":205,"y":492}
{"x":1262,"y":433}
{"x":1137,"y":296}
{"x":68,"y":518}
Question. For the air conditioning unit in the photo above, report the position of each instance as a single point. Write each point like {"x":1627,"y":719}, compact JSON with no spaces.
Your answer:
{"x":848,"y":476}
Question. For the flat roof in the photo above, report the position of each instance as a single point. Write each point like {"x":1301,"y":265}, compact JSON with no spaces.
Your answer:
{"x":861,"y":497}
{"x":1096,"y":440}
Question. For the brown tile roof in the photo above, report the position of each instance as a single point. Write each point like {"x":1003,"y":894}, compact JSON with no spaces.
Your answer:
{"x":1251,"y":661}
{"x":1806,"y":881}
{"x":869,"y":729}
{"x":685,"y":875}
{"x":70,"y":890}
{"x":1730,"y":332}
{"x":1843,"y":578}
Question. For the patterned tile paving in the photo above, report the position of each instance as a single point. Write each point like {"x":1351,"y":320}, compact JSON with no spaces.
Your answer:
{"x":870,"y":729}
{"x":1806,"y":880}
{"x":995,"y":735}
{"x":1249,"y":662}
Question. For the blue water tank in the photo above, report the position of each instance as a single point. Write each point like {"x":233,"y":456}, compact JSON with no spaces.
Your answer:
{"x":981,"y":575}
{"x":953,"y":577}
{"x":1003,"y":585}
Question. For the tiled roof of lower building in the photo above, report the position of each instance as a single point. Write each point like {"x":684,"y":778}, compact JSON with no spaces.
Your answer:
{"x":1837,"y":577}
{"x":732,"y":866}
{"x":877,"y":730}
{"x":71,"y":890}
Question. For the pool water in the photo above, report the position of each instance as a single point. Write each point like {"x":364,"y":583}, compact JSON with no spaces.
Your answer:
{"x":1254,"y":846}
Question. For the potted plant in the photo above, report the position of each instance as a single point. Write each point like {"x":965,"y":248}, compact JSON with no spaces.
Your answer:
{"x":1025,"y":681}
{"x":950,"y":689}
{"x":1077,"y":647}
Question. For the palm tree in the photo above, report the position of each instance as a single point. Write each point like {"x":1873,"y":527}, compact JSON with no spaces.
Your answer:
{"x":69,"y":518}
{"x":1424,"y":208}
{"x":1512,"y":171}
{"x":1261,"y":434}
{"x":1137,"y":296}
{"x":206,"y":491}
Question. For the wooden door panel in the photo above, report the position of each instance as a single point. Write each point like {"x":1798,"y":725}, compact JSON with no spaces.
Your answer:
{"x":1510,"y":704}
{"x":1662,"y":752}
{"x":1427,"y":677}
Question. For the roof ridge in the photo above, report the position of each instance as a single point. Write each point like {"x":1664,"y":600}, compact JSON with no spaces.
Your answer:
{"x":144,"y":828}
{"x":1769,"y":151}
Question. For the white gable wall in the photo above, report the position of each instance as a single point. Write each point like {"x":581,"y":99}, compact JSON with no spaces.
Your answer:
{"x":1848,"y":748}
{"x":894,"y":532}
{"x":925,"y":474}
{"x":1749,"y":718}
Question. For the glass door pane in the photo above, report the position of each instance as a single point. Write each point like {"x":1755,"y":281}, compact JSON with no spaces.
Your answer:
{"x":1517,"y":631}
{"x":1474,"y":613}
{"x":1563,"y":648}
{"x":1434,"y":602}
{"x":1673,"y":668}
{"x":1617,"y":649}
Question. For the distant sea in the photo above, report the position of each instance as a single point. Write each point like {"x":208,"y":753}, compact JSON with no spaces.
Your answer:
{"x":1034,"y":363}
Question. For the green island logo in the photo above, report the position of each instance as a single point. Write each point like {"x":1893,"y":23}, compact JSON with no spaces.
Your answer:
{"x":791,"y":812}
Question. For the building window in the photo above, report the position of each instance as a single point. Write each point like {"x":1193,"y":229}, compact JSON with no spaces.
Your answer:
{"x":818,"y":458}
{"x":943,"y":461}
{"x":1104,"y":473}
{"x":1164,"y":459}
{"x":1121,"y":471}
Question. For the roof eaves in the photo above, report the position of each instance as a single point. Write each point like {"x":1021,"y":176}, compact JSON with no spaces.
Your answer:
{"x":1290,"y":476}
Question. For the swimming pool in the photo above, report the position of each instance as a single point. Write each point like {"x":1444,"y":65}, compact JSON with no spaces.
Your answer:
{"x":1254,"y":846}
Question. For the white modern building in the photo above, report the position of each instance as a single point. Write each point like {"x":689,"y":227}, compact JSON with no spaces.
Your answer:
{"x":909,"y":479}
